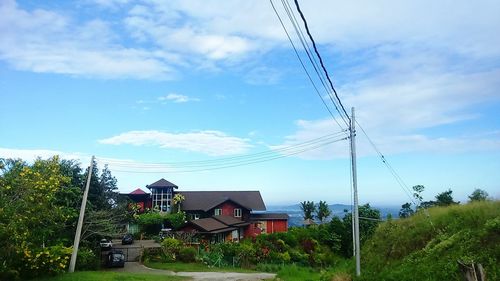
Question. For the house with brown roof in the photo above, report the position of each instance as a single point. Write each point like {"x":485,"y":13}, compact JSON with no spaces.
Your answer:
{"x":214,"y":216}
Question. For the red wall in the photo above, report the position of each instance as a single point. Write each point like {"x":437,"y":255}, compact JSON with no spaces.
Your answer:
{"x":274,"y":226}
{"x":228,"y":210}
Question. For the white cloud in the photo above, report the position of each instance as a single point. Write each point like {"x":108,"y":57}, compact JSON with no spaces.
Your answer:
{"x":213,"y":143}
{"x":177,"y":98}
{"x":32,"y":154}
{"x":48,"y":42}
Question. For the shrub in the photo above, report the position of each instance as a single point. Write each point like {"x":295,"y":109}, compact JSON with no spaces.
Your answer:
{"x":171,"y":248}
{"x":87,"y":259}
{"x":187,"y":254}
{"x":153,"y":254}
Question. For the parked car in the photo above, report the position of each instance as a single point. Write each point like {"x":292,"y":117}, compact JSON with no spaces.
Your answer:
{"x":106,"y":244}
{"x":127,"y":239}
{"x":115,"y":258}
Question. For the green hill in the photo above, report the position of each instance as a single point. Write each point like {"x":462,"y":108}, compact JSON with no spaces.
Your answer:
{"x":427,"y":247}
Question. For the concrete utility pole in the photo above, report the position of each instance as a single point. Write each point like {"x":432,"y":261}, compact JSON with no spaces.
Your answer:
{"x":72,"y":262}
{"x":352,"y":131}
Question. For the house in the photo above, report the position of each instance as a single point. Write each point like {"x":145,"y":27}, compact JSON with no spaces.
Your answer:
{"x":214,"y":216}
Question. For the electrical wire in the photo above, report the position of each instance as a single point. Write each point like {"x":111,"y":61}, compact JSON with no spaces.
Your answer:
{"x":226,"y":160}
{"x":172,"y":169}
{"x":320,"y":59}
{"x":303,"y":65}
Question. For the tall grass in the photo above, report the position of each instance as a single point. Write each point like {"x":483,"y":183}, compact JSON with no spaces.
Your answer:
{"x":427,"y":247}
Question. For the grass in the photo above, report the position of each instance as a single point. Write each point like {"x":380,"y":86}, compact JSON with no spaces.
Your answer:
{"x":427,"y":248}
{"x":111,"y":276}
{"x":300,"y":273}
{"x":194,"y":267}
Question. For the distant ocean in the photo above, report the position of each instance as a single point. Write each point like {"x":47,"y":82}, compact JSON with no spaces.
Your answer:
{"x":338,"y":210}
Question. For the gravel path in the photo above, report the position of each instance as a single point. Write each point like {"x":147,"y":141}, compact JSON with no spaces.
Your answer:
{"x":198,"y":276}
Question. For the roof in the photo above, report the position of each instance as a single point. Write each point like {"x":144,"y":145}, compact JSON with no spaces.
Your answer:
{"x":162,"y":183}
{"x":138,"y":191}
{"x":269,"y":216}
{"x":228,"y":220}
{"x":206,"y":200}
{"x":211,"y":225}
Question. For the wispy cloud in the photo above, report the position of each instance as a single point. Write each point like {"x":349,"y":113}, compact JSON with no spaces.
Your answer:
{"x":177,"y":98}
{"x":214,"y":143}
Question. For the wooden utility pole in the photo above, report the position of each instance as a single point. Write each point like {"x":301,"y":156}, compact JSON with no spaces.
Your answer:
{"x":76,"y":243}
{"x":357,"y":252}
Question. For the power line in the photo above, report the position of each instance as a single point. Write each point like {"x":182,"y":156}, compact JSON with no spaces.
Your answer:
{"x":219,"y":166}
{"x":319,"y":57}
{"x":238,"y":158}
{"x":303,"y":65}
{"x":309,"y":53}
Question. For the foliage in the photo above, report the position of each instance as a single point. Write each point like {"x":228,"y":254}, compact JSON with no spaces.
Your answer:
{"x":445,"y":198}
{"x":427,"y":247}
{"x":151,"y":222}
{"x":308,"y":208}
{"x":406,"y":210}
{"x":417,"y":193}
{"x":187,"y":254}
{"x":87,"y":259}
{"x":171,"y":248}
{"x":322,"y":211}
{"x":39,"y":207}
{"x":478,"y":195}
{"x":367,"y":226}
{"x":178,"y":199}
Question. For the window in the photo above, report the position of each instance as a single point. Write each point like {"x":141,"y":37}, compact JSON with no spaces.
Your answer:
{"x":218,"y":212}
{"x":237,"y":213}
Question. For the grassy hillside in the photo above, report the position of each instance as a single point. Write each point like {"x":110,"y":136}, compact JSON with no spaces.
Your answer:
{"x":427,"y":248}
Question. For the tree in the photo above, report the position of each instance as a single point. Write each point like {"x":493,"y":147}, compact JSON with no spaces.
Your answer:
{"x":178,"y":199}
{"x":417,"y":194}
{"x":406,"y":210}
{"x":308,"y":208}
{"x":33,"y":220}
{"x":478,"y":195}
{"x":368,"y":222}
{"x":445,"y":198}
{"x":322,"y":211}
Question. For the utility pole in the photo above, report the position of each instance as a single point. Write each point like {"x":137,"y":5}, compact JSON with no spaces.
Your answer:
{"x":352,"y":131}
{"x":72,"y":262}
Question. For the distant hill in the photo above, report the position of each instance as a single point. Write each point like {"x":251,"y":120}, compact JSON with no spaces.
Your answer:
{"x":425,"y":247}
{"x":338,"y":210}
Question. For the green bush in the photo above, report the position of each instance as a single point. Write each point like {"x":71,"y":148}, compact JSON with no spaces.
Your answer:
{"x":171,"y":248}
{"x":187,"y":254}
{"x":87,"y":259}
{"x":153,"y":254}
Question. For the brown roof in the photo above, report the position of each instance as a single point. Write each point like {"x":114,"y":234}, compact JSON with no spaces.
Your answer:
{"x":228,"y":220}
{"x":211,"y":225}
{"x":162,"y":183}
{"x":269,"y":216}
{"x":206,"y":200}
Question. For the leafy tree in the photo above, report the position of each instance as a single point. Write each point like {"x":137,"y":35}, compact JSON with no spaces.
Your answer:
{"x":406,"y":210}
{"x":478,"y":195}
{"x":368,"y":222}
{"x":308,"y":208}
{"x":445,"y":198}
{"x":417,"y":194}
{"x":33,"y":220}
{"x":178,"y":199}
{"x":322,"y":211}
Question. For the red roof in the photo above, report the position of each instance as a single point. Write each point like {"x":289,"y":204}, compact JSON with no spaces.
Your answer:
{"x":138,"y":191}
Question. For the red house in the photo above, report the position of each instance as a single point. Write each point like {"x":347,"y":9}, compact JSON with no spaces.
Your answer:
{"x":216,"y":216}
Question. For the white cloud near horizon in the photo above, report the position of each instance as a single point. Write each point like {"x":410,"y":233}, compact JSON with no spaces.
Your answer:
{"x":213,"y":143}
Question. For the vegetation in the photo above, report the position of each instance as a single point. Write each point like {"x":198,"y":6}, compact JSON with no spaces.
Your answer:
{"x":323,"y":211}
{"x":308,"y":208}
{"x":425,"y":247}
{"x":111,"y":276}
{"x":39,"y":207}
{"x":194,"y":267}
{"x":478,"y":195}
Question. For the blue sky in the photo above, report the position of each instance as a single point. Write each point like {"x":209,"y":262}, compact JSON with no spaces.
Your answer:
{"x":139,"y":82}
